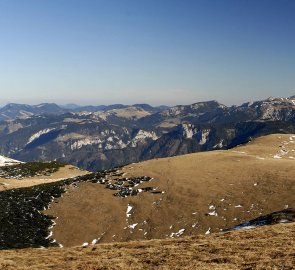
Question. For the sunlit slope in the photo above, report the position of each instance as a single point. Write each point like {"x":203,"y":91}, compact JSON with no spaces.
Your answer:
{"x":191,"y":194}
{"x":268,"y":247}
{"x":16,"y":174}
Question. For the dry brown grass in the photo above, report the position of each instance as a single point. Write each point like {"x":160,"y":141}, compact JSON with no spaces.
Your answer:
{"x":247,"y":175}
{"x":130,"y":112}
{"x":62,"y":173}
{"x":225,"y":179}
{"x":270,"y":247}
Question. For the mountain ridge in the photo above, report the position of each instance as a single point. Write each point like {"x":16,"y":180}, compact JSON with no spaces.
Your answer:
{"x":116,"y":136}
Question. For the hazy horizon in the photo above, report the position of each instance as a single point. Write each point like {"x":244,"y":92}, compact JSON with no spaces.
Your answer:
{"x":156,"y":52}
{"x":129,"y":104}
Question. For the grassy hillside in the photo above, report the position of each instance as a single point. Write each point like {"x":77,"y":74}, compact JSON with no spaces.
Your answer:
{"x":184,"y":204}
{"x":269,"y":247}
{"x":35,"y":173}
{"x":190,"y":194}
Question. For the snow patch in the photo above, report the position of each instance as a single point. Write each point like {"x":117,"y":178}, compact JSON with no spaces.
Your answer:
{"x":4,"y":161}
{"x":213,"y":213}
{"x":132,"y":226}
{"x":129,"y":209}
{"x":277,"y":156}
{"x":177,"y":234}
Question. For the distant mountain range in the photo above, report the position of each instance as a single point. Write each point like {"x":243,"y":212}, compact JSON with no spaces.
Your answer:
{"x":12,"y":110}
{"x":100,"y":137}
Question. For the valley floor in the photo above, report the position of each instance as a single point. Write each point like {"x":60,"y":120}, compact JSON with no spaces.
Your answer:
{"x":269,"y":247}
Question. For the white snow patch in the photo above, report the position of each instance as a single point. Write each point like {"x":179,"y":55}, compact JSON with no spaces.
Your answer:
{"x":128,"y":212}
{"x":132,"y":226}
{"x":277,"y":156}
{"x":284,"y":221}
{"x":244,"y":227}
{"x":177,"y":234}
{"x":50,"y":234}
{"x":208,"y":231}
{"x":213,"y":213}
{"x":4,"y":161}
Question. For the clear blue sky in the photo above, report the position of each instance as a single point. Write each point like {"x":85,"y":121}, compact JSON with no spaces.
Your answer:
{"x":153,"y":51}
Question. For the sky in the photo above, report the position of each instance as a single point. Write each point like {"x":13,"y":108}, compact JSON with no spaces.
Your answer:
{"x":146,"y":51}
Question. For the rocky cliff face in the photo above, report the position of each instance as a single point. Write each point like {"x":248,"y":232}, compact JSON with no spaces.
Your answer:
{"x":107,"y":138}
